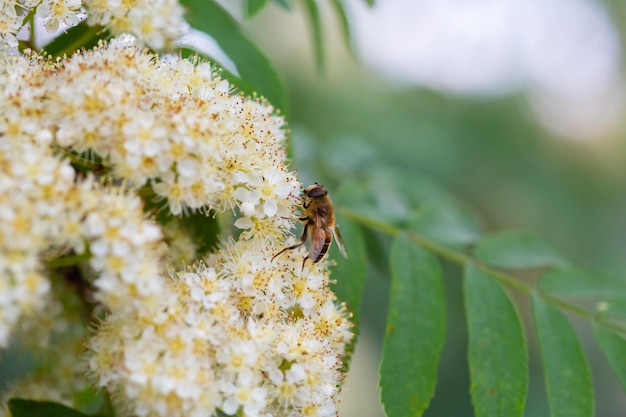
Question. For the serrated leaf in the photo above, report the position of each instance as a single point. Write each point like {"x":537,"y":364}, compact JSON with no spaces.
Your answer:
{"x":566,"y":371}
{"x":497,"y":353}
{"x":446,"y":223}
{"x":415,"y":330}
{"x":614,"y":349}
{"x":253,"y":66}
{"x":254,"y":6}
{"x":345,"y":24}
{"x":581,"y":283}
{"x":28,"y":408}
{"x":349,"y":275}
{"x":513,"y":249}
{"x":315,"y":22}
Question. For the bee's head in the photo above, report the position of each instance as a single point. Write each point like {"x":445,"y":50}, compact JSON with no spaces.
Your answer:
{"x":315,"y":190}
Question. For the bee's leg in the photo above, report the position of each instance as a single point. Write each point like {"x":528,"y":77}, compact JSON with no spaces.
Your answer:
{"x":288,"y":248}
{"x":303,"y":262}
{"x":297,"y":245}
{"x":304,"y":236}
{"x":300,"y":219}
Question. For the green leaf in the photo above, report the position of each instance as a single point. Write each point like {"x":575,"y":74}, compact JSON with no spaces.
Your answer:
{"x":253,"y":66}
{"x":566,"y":371}
{"x":580,"y":283}
{"x":75,"y":38}
{"x":446,"y":223}
{"x":315,"y":21}
{"x":345,"y":24}
{"x":614,"y":348}
{"x":285,"y":4}
{"x":377,"y":248}
{"x":497,"y":353}
{"x":355,"y":196}
{"x":349,"y":274}
{"x":615,"y":308}
{"x":203,"y":229}
{"x":513,"y":249}
{"x":415,"y":330}
{"x":361,"y":200}
{"x":396,"y":194}
{"x":254,"y":6}
{"x":27,"y":408}
{"x":90,"y":401}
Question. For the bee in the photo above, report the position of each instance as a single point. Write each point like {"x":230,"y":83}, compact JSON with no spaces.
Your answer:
{"x":319,"y":218}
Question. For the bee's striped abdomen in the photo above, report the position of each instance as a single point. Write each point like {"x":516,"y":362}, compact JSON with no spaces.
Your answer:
{"x":324,"y":250}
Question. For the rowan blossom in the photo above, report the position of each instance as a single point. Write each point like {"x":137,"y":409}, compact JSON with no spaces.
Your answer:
{"x":242,"y":331}
{"x":155,"y":23}
{"x":231,"y":337}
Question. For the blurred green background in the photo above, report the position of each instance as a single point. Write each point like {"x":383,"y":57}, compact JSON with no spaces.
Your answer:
{"x":496,"y":151}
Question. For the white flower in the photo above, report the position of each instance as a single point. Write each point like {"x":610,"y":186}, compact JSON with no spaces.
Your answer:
{"x":246,"y":394}
{"x":273,"y":186}
{"x":248,"y":200}
{"x":157,"y":23}
{"x":57,"y":11}
{"x":295,"y":374}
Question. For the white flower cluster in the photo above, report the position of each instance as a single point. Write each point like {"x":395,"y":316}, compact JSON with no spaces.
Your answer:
{"x":173,"y":124}
{"x":240,"y":334}
{"x":12,"y":14}
{"x":243,"y":334}
{"x":43,"y":207}
{"x":156,"y":23}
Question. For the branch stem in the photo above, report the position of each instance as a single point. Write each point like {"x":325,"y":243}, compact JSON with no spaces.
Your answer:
{"x":462,"y":259}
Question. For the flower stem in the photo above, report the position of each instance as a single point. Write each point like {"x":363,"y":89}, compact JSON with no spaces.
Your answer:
{"x":462,"y":259}
{"x":68,"y":260}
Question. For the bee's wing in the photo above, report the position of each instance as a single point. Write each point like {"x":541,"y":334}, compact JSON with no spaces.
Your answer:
{"x":319,"y":244}
{"x":340,"y":244}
